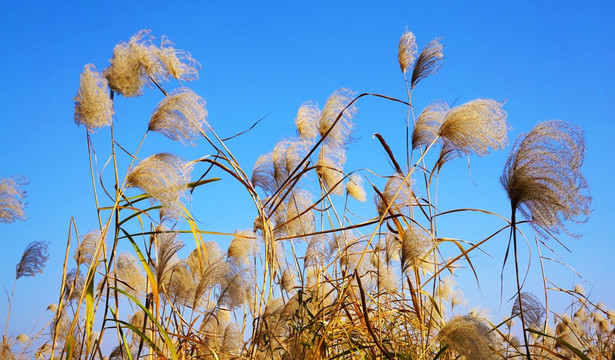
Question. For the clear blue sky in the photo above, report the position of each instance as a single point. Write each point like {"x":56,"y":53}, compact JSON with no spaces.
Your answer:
{"x":548,"y":59}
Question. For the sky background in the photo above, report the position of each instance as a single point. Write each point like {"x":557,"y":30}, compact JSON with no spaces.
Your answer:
{"x":548,"y":60}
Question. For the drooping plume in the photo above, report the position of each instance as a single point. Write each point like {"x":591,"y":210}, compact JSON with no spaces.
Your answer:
{"x":179,"y":64}
{"x":406,"y":51}
{"x":330,"y":167}
{"x":12,"y":199}
{"x":543,"y":176}
{"x":181,"y":116}
{"x":164,"y":177}
{"x":93,"y":105}
{"x":414,"y":245}
{"x":33,"y":259}
{"x":129,"y":274}
{"x":429,"y":62}
{"x":533,"y":310}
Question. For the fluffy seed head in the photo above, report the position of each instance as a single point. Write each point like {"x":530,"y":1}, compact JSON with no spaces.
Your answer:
{"x":336,"y":103}
{"x":132,"y":64}
{"x":330,"y":168}
{"x":180,"y":116}
{"x":164,"y":178}
{"x":306,"y":120}
{"x":468,"y":336}
{"x":12,"y":199}
{"x":543,"y":176}
{"x":354,"y":187}
{"x":87,"y":247}
{"x":406,"y":51}
{"x":178,"y":63}
{"x":129,"y":274}
{"x":428,"y":124}
{"x":429,"y":62}
{"x":33,"y":259}
{"x":242,"y":247}
{"x":414,"y":245}
{"x":475,"y":127}
{"x":93,"y":105}
{"x":397,"y":193}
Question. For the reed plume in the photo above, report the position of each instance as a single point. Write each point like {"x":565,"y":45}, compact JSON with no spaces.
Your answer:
{"x":132,"y":65}
{"x":307,"y":120}
{"x":74,"y":285}
{"x":179,"y":64}
{"x":93,"y":105}
{"x":428,"y":124}
{"x":129,"y":274}
{"x":33,"y":260}
{"x":428,"y":62}
{"x":354,"y":187}
{"x":543,"y":179}
{"x":532,"y":308}
{"x":469,"y":336}
{"x":330,"y":168}
{"x":164,"y":177}
{"x":12,"y":199}
{"x":339,"y":136}
{"x":474,"y":127}
{"x":87,"y":247}
{"x":414,"y":245}
{"x":397,"y":193}
{"x":406,"y":52}
{"x":180,"y":116}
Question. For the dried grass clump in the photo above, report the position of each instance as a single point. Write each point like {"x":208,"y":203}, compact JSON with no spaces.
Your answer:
{"x":164,"y":177}
{"x":181,"y":116}
{"x":12,"y":199}
{"x":469,"y":337}
{"x":543,"y":176}
{"x":33,"y":259}
{"x":93,"y":105}
{"x":406,"y":51}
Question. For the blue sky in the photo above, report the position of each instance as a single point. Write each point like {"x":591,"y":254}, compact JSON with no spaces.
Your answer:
{"x":548,"y":60}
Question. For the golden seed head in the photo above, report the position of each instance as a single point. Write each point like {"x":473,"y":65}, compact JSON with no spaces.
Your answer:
{"x":93,"y":105}
{"x":180,"y":116}
{"x":406,"y":51}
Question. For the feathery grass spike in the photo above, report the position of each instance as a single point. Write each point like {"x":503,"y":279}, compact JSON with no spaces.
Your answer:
{"x":33,"y":259}
{"x":428,"y":62}
{"x":178,"y":63}
{"x":533,"y":310}
{"x":469,"y":336}
{"x":12,"y":199}
{"x":428,"y":124}
{"x":93,"y":105}
{"x":164,"y":177}
{"x":181,"y":116}
{"x":543,"y":176}
{"x":406,"y":51}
